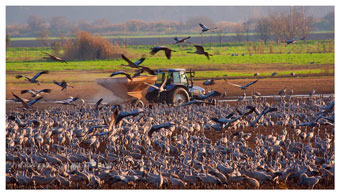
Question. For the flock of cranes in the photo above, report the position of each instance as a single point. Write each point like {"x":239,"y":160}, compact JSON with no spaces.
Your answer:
{"x":289,"y":142}
{"x":262,"y":144}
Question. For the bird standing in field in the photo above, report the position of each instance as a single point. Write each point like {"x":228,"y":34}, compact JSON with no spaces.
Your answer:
{"x":182,"y":40}
{"x":274,"y":74}
{"x":133,"y":64}
{"x":35,"y":93}
{"x":33,"y":79}
{"x":244,"y":86}
{"x":55,"y":58}
{"x":123,"y":73}
{"x":166,"y":50}
{"x":200,"y":51}
{"x":209,"y":82}
{"x":204,"y":28}
{"x":63,"y":84}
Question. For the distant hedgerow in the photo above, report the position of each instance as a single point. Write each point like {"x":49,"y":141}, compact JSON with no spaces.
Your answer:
{"x":91,"y":47}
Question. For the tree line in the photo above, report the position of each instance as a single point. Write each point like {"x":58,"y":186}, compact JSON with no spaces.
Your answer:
{"x":277,"y":26}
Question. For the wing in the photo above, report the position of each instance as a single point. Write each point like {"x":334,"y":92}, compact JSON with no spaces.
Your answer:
{"x":153,"y":129}
{"x":19,"y":76}
{"x":168,"y":53}
{"x":57,"y":83}
{"x":163,"y":84}
{"x":187,"y":38}
{"x":138,"y":62}
{"x":21,"y":100}
{"x":137,"y":73}
{"x":98,"y":103}
{"x":26,"y":91}
{"x":269,"y":110}
{"x":202,"y":26}
{"x":38,"y":74}
{"x":74,"y":99}
{"x":199,"y":48}
{"x":126,"y":114}
{"x":47,"y":53}
{"x":148,"y":70}
{"x":154,"y":86}
{"x":247,"y":85}
{"x":45,"y":91}
{"x":121,"y":72}
{"x":30,"y":103}
{"x":154,"y":50}
{"x":234,"y":84}
{"x":127,"y":76}
{"x":126,"y":59}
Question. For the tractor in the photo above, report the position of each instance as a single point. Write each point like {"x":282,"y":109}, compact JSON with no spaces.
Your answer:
{"x":178,"y":88}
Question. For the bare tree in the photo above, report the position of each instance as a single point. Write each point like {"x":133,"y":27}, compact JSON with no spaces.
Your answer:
{"x":220,"y":35}
{"x":246,"y":28}
{"x":43,"y":37}
{"x":36,"y":24}
{"x":238,"y":29}
{"x":263,"y":28}
{"x":277,"y":26}
{"x":8,"y":41}
{"x":297,"y":24}
{"x":59,"y":24}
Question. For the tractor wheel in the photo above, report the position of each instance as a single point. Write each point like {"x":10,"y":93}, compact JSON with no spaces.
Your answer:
{"x":178,"y":96}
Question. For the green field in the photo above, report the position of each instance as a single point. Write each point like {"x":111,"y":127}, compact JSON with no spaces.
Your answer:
{"x":314,"y":57}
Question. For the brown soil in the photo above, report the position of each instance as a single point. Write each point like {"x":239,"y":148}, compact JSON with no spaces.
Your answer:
{"x":91,"y":92}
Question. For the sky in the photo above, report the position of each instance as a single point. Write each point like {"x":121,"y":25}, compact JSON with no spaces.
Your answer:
{"x":120,"y":14}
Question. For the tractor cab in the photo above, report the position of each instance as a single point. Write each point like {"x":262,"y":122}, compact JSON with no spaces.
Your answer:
{"x":178,"y":87}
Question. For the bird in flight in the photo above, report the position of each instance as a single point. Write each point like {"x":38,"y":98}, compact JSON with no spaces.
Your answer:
{"x":205,"y":29}
{"x":63,"y":84}
{"x":35,"y":93}
{"x":52,"y":57}
{"x":122,"y":115}
{"x":68,"y":101}
{"x":133,"y":64}
{"x":160,"y":88}
{"x":33,"y":79}
{"x":166,"y":50}
{"x":143,"y":69}
{"x":155,"y":128}
{"x":25,"y":103}
{"x":200,"y":51}
{"x":213,"y":93}
{"x":291,"y":41}
{"x":244,"y":86}
{"x":123,"y":73}
{"x":98,"y":103}
{"x":182,"y":40}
